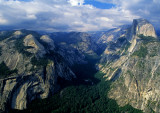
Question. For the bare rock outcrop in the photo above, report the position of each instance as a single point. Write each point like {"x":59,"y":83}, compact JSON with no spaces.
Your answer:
{"x":113,"y":34}
{"x":49,"y":41}
{"x":140,"y":27}
{"x":35,"y":46}
{"x":31,"y":73}
{"x":135,"y":74}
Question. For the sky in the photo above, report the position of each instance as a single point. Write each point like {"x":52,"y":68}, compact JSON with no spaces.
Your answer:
{"x":75,"y":15}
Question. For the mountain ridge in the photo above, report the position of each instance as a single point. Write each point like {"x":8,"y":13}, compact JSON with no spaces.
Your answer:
{"x":38,"y":67}
{"x":127,"y":55}
{"x":129,"y":71}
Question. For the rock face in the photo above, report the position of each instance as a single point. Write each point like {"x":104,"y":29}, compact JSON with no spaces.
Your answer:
{"x":74,"y":46}
{"x":142,"y":26}
{"x":113,"y":34}
{"x":49,"y":41}
{"x":135,"y":74}
{"x":115,"y":40}
{"x":38,"y":67}
{"x":35,"y":46}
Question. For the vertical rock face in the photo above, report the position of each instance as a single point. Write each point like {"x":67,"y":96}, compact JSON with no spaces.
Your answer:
{"x":136,"y":73}
{"x":142,"y":26}
{"x":33,"y":68}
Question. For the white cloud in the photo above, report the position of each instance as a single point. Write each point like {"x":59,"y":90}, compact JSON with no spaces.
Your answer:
{"x":148,"y":9}
{"x":71,"y":15}
{"x":3,"y":21}
{"x":76,"y":2}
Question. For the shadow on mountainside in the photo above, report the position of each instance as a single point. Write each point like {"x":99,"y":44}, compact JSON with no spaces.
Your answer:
{"x":84,"y":73}
{"x":87,"y":94}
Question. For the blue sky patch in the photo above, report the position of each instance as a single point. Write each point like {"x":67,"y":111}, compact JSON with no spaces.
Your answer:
{"x":99,"y":5}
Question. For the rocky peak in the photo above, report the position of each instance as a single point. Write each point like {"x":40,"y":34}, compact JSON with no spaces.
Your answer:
{"x":136,"y":69}
{"x":142,"y":26}
{"x":49,"y":41}
{"x":18,"y":33}
{"x":36,"y":47}
{"x":27,"y":70}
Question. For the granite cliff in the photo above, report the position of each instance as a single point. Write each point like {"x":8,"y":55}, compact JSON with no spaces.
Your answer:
{"x":135,"y":68}
{"x":30,"y":68}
